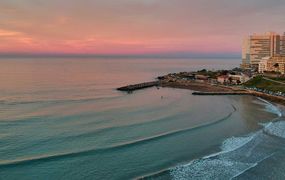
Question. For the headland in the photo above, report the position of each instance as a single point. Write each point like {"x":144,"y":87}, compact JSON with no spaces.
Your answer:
{"x":222,"y":82}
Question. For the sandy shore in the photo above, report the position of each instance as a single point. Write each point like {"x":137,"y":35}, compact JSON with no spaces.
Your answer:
{"x":275,"y":99}
{"x":206,"y":87}
{"x":197,"y":86}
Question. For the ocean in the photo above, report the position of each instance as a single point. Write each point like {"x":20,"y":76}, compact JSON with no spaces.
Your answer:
{"x":62,"y":118}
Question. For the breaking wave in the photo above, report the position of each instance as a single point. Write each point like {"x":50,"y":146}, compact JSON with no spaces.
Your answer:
{"x":238,"y":154}
{"x":234,"y":143}
{"x":276,"y":129}
{"x":271,"y":108}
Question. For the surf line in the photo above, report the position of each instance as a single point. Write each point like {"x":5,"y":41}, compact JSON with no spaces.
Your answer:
{"x":276,"y":110}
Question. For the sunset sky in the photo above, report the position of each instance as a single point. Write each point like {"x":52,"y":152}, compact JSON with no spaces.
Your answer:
{"x":134,"y":26}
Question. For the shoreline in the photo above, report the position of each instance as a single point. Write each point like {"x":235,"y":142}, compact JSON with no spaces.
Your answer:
{"x":165,"y":171}
{"x":204,"y":89}
{"x":212,"y":90}
{"x":168,"y":170}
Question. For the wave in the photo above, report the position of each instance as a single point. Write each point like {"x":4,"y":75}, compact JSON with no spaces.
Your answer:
{"x":253,"y":165}
{"x":271,"y":108}
{"x":131,"y":126}
{"x":213,"y":166}
{"x":209,"y":169}
{"x":56,"y":101}
{"x":238,"y":154}
{"x":104,"y":129}
{"x":230,"y":163}
{"x":234,"y":143}
{"x":39,"y":159}
{"x":276,"y":129}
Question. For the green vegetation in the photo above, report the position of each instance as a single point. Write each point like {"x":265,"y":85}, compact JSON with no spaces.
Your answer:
{"x":211,"y":74}
{"x":259,"y":82}
{"x":279,"y":79}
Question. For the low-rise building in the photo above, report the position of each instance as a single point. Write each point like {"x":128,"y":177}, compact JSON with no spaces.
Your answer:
{"x":239,"y":78}
{"x":223,"y":79}
{"x":272,"y":64}
{"x":276,"y":64}
{"x":201,"y":77}
{"x":233,"y":79}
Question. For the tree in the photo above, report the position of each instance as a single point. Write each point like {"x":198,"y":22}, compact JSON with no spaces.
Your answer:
{"x":231,"y":79}
{"x":203,"y":71}
{"x":276,"y":65}
{"x":224,"y":72}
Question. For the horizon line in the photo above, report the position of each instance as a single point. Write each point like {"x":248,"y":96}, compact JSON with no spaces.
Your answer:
{"x":88,"y":55}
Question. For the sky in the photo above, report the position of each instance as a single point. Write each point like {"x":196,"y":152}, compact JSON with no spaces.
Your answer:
{"x":134,"y":26}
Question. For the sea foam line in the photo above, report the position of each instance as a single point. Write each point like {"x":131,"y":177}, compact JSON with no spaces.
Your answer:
{"x":242,"y":141}
{"x":254,"y":165}
{"x":271,"y":108}
{"x":226,"y":147}
{"x":238,"y":173}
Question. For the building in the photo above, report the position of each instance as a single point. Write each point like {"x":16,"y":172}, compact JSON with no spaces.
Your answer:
{"x":233,"y":79}
{"x":245,"y":54}
{"x":255,"y":47}
{"x":238,"y":78}
{"x":262,"y":65}
{"x":223,"y":79}
{"x":272,"y":64}
{"x":282,"y":45}
{"x":201,"y":78}
{"x":276,"y":64}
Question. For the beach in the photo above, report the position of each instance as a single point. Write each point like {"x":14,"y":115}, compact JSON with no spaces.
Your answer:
{"x":234,"y":161}
{"x":204,"y":88}
{"x":74,"y":124}
{"x":209,"y":88}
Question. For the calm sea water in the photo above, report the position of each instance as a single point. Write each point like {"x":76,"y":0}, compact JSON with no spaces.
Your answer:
{"x":63,"y":119}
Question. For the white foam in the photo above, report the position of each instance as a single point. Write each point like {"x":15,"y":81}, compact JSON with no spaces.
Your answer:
{"x":218,"y":166}
{"x":276,"y":129}
{"x":266,"y":125}
{"x":210,"y":169}
{"x":234,"y":143}
{"x":271,"y":108}
{"x":253,"y":165}
{"x":222,"y":165}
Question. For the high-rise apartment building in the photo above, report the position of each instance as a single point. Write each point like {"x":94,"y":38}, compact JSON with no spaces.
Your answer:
{"x":255,"y":47}
{"x":246,"y":53}
{"x":282,"y":45}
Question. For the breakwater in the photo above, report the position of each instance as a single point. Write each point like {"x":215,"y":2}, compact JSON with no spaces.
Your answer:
{"x":139,"y":86}
{"x":272,"y":98}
